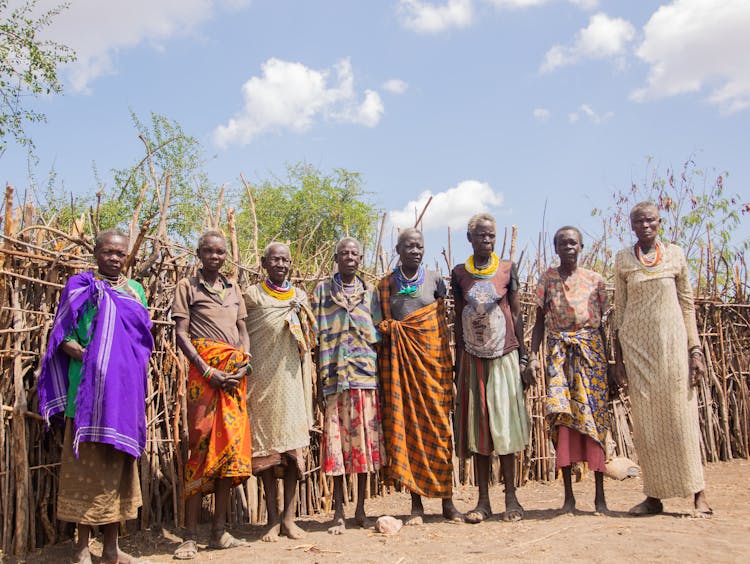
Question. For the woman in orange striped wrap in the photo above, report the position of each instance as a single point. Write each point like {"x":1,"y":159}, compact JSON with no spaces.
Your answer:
{"x":210,"y":325}
{"x":416,"y":374}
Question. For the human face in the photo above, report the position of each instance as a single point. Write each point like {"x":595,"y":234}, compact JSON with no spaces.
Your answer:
{"x":411,"y":251}
{"x":347,"y":259}
{"x":276,"y":263}
{"x":568,"y":246}
{"x":482,"y":239}
{"x":212,"y":253}
{"x":110,"y":255}
{"x":645,"y":224}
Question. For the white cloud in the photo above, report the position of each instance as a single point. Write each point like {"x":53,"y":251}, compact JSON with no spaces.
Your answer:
{"x":541,"y":114}
{"x":603,"y":38}
{"x":290,"y":96}
{"x":451,"y":208}
{"x":585,"y":4}
{"x":98,"y":31}
{"x":425,"y":17}
{"x":395,"y":86}
{"x":585,"y":110}
{"x":517,"y":3}
{"x":696,"y":44}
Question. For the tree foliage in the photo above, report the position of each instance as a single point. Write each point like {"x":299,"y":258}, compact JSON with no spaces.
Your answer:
{"x":28,"y":67}
{"x":310,"y":210}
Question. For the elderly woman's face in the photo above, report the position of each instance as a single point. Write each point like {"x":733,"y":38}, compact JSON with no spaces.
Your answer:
{"x":482,"y":238}
{"x":277,"y":262}
{"x":411,"y":250}
{"x":212,"y":253}
{"x":568,"y":245}
{"x":110,"y":255}
{"x":645,"y":224}
{"x":348,"y":258}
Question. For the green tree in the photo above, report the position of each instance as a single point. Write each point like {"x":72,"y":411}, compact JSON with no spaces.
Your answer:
{"x":310,"y":209}
{"x":28,"y":68}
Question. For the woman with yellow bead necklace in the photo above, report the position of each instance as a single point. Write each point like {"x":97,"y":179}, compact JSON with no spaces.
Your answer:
{"x":490,"y":411}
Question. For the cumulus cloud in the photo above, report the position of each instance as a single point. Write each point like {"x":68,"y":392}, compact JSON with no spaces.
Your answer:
{"x":541,"y":114}
{"x":587,"y":111}
{"x":585,"y":4}
{"x":395,"y":86}
{"x":451,"y":208}
{"x":291,"y":96}
{"x":603,"y":38}
{"x":517,"y":3}
{"x":98,"y":31}
{"x":695,"y":44}
{"x":426,"y":17}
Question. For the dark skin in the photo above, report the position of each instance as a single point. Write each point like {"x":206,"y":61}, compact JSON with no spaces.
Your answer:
{"x":347,"y":258}
{"x":276,"y":263}
{"x":110,"y":257}
{"x":410,"y":250}
{"x":645,"y":223}
{"x":568,"y":246}
{"x":212,"y":254}
{"x":482,"y":240}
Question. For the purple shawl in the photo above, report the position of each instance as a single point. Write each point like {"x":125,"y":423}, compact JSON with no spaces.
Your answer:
{"x":110,"y":406}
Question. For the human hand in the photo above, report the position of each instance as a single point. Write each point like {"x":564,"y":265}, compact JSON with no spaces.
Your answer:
{"x":216,"y":379}
{"x":617,"y":375}
{"x":697,"y":367}
{"x":73,"y":349}
{"x":529,"y":374}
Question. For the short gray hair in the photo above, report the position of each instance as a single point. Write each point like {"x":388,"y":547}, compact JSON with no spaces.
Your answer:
{"x":406,"y":233}
{"x":208,"y":234}
{"x":641,"y":206}
{"x":106,"y":234}
{"x":478,"y":218}
{"x":271,"y":245}
{"x":346,"y":240}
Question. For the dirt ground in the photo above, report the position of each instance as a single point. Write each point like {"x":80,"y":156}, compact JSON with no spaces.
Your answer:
{"x":544,"y":536}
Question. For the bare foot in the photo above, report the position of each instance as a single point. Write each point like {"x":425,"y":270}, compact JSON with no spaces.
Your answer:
{"x":451,"y":513}
{"x":272,"y":534}
{"x":338,"y":527}
{"x":292,"y":530}
{"x":702,"y":508}
{"x":600,"y":505}
{"x":82,"y":556}
{"x":649,"y":506}
{"x":569,"y":506}
{"x":513,"y":509}
{"x":361,"y":519}
{"x":417,"y":511}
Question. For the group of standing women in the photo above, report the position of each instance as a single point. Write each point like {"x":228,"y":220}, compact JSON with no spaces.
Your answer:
{"x":385,"y":378}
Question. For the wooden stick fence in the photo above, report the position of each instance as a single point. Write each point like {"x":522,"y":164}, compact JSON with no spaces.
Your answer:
{"x":36,"y":259}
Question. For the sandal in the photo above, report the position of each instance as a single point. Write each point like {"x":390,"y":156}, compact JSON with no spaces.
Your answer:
{"x":478,"y":515}
{"x":186,"y":551}
{"x":226,"y":541}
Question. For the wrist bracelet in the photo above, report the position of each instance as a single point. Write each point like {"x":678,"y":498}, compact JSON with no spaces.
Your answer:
{"x":207,"y":373}
{"x":696,"y":349}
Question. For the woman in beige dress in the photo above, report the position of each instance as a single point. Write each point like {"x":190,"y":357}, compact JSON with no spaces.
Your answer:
{"x":658,"y":354}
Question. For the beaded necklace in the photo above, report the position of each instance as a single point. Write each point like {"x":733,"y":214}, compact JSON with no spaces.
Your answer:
{"x":410,"y":287}
{"x":347,"y":289}
{"x":643,"y":258}
{"x":486,"y":272}
{"x":283,"y":292}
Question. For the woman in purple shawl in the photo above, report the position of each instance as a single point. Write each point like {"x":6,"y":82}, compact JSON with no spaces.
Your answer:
{"x":94,"y":373}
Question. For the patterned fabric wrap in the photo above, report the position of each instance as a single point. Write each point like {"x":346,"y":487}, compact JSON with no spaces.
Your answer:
{"x":577,"y":383}
{"x":352,"y":433}
{"x":110,"y":406}
{"x":416,"y":372}
{"x":218,"y":427}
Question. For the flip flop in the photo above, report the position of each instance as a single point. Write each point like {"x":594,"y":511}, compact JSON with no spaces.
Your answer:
{"x":186,"y":551}
{"x":227,"y":541}
{"x":477,"y":516}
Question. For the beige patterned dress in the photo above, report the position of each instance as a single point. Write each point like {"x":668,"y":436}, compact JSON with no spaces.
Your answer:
{"x":655,"y":320}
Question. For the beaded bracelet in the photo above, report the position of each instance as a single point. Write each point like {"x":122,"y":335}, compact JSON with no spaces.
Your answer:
{"x":696,"y":349}
{"x":207,"y":373}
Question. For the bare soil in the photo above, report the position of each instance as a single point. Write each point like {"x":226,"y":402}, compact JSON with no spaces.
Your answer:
{"x":544,"y":535}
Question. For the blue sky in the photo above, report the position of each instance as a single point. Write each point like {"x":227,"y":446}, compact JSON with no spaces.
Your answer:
{"x":488,"y":105}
